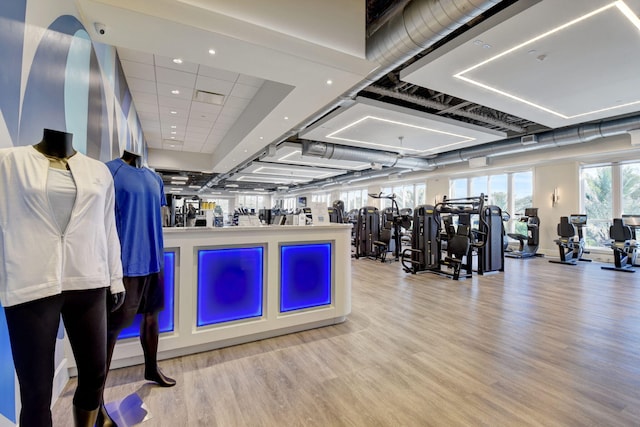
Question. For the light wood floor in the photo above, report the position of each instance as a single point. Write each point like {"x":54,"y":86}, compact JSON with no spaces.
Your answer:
{"x":539,"y":345}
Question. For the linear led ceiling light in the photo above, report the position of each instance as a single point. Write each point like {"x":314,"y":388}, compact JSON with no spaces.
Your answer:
{"x":462,"y":140}
{"x":356,"y":165}
{"x":292,"y":172}
{"x":620,"y":5}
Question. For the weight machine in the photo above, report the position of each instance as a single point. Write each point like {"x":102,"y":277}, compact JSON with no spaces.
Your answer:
{"x":367,"y":231}
{"x":458,"y":227}
{"x":391,"y":223}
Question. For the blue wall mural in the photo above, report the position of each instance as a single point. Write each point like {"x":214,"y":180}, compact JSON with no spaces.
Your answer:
{"x":73,"y":84}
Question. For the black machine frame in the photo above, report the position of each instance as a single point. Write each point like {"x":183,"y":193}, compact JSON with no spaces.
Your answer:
{"x":430,"y":238}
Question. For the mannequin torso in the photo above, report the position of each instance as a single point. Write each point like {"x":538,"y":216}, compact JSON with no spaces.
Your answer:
{"x":57,"y":146}
{"x":131,"y":158}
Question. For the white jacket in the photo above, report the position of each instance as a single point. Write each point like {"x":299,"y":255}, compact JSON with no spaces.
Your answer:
{"x":36,"y":260}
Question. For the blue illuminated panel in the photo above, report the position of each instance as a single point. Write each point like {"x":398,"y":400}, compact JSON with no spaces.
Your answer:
{"x":230,"y":283}
{"x":305,"y":276}
{"x":166,"y":316}
{"x":7,"y":379}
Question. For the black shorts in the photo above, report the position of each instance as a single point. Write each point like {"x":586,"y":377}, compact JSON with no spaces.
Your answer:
{"x":145,"y":294}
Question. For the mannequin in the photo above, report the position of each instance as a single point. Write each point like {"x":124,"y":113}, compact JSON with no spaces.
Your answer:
{"x":131,"y":158}
{"x":56,"y":144}
{"x":54,"y":209}
{"x":139,"y":198}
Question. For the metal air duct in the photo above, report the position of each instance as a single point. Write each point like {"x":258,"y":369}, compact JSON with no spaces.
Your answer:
{"x":551,"y":139}
{"x":343,"y":152}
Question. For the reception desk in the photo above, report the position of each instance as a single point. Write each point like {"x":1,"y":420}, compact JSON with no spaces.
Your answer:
{"x":227,"y":286}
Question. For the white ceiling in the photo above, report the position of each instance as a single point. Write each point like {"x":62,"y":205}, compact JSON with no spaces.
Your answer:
{"x":274,"y":59}
{"x":377,"y":125}
{"x":556,"y":63}
{"x":177,"y":121}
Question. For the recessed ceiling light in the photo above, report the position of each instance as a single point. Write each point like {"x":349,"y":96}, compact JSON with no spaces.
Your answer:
{"x":286,"y":117}
{"x":173,"y":112}
{"x":246,"y":151}
{"x":478,"y":42}
{"x":329,"y":82}
{"x":180,"y":178}
{"x":174,"y":127}
{"x":173,"y":137}
{"x":232,"y":185}
{"x":175,"y":92}
{"x":174,"y":132}
{"x":172,"y":146}
{"x":177,"y":61}
{"x":486,"y":46}
{"x":262,"y":137}
{"x":212,"y":51}
{"x":194,"y":186}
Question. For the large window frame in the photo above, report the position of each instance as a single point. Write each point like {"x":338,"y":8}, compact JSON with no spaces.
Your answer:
{"x":607,"y":190}
{"x":512,"y":191}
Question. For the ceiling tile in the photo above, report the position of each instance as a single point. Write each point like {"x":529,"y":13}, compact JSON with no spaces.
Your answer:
{"x":175,"y":78}
{"x":139,"y":70}
{"x":134,"y":55}
{"x":162,"y":61}
{"x":214,"y":85}
{"x":243,"y":91}
{"x":218,"y":74}
{"x":139,"y":85}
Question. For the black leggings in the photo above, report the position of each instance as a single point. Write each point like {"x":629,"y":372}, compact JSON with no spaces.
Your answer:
{"x":32,"y":331}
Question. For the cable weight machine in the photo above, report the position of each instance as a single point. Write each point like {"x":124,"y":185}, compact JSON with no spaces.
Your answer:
{"x":446,"y":235}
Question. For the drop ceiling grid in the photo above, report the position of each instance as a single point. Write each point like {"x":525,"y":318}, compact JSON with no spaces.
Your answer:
{"x":199,"y":127}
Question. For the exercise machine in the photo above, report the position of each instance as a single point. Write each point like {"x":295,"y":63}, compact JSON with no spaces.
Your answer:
{"x":633,"y":221}
{"x":570,"y":239}
{"x":367,"y":231}
{"x":528,"y":244}
{"x":623,"y":248}
{"x":458,"y":228}
{"x":391,"y":222}
{"x":424,"y":253}
{"x":336,"y":212}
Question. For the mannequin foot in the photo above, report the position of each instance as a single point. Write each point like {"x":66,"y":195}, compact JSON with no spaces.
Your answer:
{"x":104,"y":419}
{"x":158,"y":377}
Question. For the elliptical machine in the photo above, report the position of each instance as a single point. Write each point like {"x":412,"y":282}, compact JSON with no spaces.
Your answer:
{"x":528,"y":244}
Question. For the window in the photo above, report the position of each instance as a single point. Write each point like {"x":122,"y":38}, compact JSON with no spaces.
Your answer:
{"x":252,"y":202}
{"x":407,"y":196}
{"x":323,"y":198}
{"x":354,"y":199}
{"x":630,"y":189}
{"x":458,"y":188}
{"x":499,"y":190}
{"x":522,"y":198}
{"x":598,"y":191}
{"x":496,"y":188}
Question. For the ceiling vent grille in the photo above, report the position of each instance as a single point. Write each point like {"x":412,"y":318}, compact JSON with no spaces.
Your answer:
{"x":208,"y":97}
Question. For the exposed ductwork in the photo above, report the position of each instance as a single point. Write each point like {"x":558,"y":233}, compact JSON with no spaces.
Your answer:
{"x":381,"y":158}
{"x":422,"y":23}
{"x":428,"y":103}
{"x":551,"y":139}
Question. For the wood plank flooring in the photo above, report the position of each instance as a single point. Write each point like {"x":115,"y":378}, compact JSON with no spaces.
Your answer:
{"x":539,"y":345}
